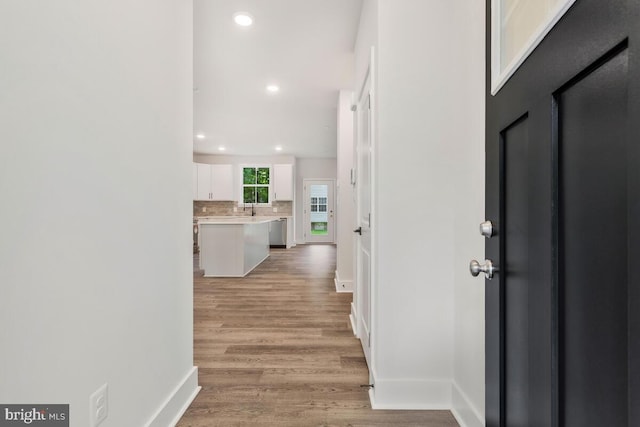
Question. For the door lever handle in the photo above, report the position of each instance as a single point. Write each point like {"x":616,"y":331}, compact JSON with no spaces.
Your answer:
{"x":475,"y":268}
{"x":358,"y":230}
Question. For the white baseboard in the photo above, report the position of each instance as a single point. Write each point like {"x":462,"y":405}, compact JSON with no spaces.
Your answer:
{"x":352,"y":318}
{"x":178,"y":401}
{"x":411,"y":394}
{"x":463,"y":410}
{"x":342,"y":285}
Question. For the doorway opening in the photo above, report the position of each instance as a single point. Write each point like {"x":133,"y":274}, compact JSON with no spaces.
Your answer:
{"x":319,"y":210}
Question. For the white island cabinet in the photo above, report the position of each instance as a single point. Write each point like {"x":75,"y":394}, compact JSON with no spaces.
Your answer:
{"x":233,"y":246}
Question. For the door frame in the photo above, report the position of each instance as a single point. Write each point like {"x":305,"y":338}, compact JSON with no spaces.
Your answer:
{"x":306,"y":211}
{"x":366,"y":86}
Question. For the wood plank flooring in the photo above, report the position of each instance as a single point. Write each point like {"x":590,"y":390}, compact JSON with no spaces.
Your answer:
{"x":276,"y":349}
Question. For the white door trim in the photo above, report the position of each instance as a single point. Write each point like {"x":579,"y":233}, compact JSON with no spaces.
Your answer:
{"x":367,"y":337}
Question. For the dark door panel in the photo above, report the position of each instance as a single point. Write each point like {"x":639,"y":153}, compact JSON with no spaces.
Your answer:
{"x":593,"y":240}
{"x":515,"y":148}
{"x":563,"y":190}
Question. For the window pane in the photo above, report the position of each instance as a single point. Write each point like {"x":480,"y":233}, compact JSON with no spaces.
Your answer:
{"x":323,"y":200}
{"x":519,"y":21}
{"x":314,"y":200}
{"x":314,"y":208}
{"x":248,"y":176}
{"x":249,"y":195}
{"x":319,"y":229}
{"x":263,"y":194}
{"x":263,"y":176}
{"x":322,"y":208}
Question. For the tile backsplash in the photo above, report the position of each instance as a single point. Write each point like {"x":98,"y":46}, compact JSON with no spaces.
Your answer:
{"x":205,"y":208}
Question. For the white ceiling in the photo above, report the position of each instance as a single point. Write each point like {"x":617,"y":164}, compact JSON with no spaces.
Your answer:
{"x":303,"y":46}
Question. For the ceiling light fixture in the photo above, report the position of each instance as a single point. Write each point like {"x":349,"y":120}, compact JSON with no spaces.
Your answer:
{"x":243,"y":19}
{"x":273,"y":88}
{"x":278,"y":147}
{"x":200,"y":136}
{"x":221,"y":148}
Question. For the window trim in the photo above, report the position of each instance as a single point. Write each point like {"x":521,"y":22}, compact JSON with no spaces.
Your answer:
{"x":499,"y":77}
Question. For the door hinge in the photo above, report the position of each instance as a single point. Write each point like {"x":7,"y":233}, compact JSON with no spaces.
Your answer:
{"x":369,"y":340}
{"x":354,"y":108}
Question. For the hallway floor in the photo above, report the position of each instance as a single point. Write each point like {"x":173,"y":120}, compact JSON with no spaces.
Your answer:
{"x":276,"y":349}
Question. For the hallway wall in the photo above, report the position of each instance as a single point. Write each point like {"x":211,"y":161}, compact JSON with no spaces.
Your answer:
{"x":345,"y":195}
{"x":96,"y":126}
{"x":467,"y":187}
{"x":428,"y":330}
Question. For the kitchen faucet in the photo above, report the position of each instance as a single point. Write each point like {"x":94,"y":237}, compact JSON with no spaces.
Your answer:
{"x":253,"y":212}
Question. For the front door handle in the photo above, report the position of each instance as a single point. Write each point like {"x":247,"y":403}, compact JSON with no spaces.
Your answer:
{"x":487,"y":268}
{"x":358,"y":230}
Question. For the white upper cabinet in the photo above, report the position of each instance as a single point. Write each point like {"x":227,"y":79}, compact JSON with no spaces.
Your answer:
{"x":214,"y":182}
{"x":204,"y":182}
{"x":222,"y":182}
{"x":194,"y":182}
{"x":283,"y":182}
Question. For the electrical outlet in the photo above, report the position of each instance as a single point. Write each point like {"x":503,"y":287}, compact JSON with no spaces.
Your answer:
{"x":235,"y":209}
{"x":275,"y":209}
{"x":204,"y":209}
{"x":98,"y":406}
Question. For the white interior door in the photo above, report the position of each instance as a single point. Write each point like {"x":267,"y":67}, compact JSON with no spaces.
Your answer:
{"x":363,"y":192}
{"x":319,"y":211}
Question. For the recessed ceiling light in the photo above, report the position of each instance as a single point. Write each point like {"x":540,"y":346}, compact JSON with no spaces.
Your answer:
{"x":221,"y":148}
{"x":278,"y":147}
{"x":243,"y":19}
{"x":273,"y":88}
{"x":200,"y":136}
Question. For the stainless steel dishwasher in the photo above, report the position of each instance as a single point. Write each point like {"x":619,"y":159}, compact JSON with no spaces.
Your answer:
{"x":278,"y":233}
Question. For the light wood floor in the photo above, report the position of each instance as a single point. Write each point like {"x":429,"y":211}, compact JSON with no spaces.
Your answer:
{"x":276,"y":349}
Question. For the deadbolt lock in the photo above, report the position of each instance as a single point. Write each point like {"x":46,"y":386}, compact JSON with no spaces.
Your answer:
{"x":486,"y":229}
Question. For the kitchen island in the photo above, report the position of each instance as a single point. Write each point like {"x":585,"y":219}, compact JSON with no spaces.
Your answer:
{"x":233,"y":246}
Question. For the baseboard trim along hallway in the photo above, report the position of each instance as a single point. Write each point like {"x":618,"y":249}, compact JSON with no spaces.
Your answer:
{"x":343,"y":285}
{"x":177,"y":403}
{"x":411,"y":394}
{"x":466,"y":414}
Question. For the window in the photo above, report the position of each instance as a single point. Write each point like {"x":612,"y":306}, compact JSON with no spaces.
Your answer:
{"x":318,"y":204}
{"x":518,"y":26}
{"x":255,"y":184}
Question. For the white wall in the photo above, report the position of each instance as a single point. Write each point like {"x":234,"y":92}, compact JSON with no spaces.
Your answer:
{"x":345,"y":203}
{"x":309,"y":168}
{"x":95,"y":133}
{"x":414,"y":210}
{"x":469,"y":380}
{"x":428,"y":107}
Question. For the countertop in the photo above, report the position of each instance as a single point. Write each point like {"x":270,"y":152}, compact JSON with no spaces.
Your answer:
{"x":237,"y":220}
